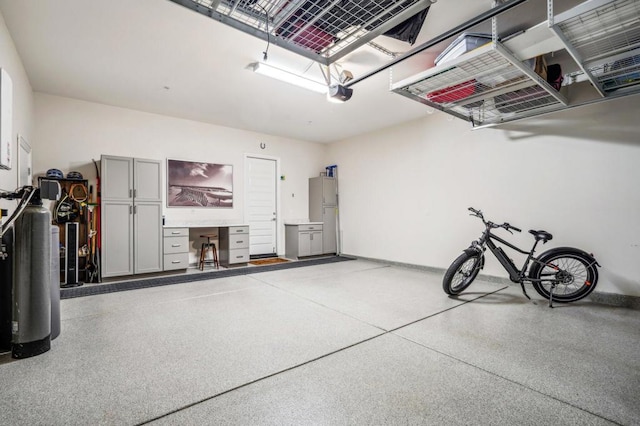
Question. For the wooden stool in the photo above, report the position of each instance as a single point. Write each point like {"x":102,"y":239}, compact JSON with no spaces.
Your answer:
{"x":203,"y":251}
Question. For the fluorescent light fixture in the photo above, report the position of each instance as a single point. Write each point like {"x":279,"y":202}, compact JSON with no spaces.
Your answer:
{"x":288,"y":77}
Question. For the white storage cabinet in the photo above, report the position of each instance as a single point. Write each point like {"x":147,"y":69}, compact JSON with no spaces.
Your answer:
{"x":131,"y":216}
{"x":303,"y":240}
{"x":323,"y":208}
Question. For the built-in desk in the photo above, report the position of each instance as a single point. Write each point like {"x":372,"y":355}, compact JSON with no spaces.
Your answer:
{"x":175,"y":246}
{"x":233,"y":244}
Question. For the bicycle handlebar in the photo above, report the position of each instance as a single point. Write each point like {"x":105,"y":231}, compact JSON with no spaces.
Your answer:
{"x":506,"y":225}
{"x":475,"y":212}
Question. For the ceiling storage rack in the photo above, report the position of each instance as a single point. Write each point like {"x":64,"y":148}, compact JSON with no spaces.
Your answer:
{"x":488,"y":85}
{"x":603,"y":37}
{"x":494,"y":84}
{"x":322,"y":30}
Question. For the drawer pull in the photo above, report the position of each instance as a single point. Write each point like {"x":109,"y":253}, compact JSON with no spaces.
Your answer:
{"x":176,"y":261}
{"x":175,"y":232}
{"x":176,"y":245}
{"x":239,"y":242}
{"x":239,"y":257}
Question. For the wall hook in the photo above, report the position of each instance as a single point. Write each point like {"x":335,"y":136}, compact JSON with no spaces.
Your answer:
{"x":263,"y":145}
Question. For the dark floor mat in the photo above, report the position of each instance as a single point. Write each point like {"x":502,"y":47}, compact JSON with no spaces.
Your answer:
{"x":94,"y":289}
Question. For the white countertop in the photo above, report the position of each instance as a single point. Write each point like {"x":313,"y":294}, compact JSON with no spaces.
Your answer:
{"x":201,"y":224}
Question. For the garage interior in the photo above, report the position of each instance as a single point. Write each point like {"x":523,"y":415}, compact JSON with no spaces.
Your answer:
{"x":360,"y":332}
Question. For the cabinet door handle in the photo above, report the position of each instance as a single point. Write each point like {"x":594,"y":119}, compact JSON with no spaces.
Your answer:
{"x":135,"y":193}
{"x":130,"y":209}
{"x":130,"y":193}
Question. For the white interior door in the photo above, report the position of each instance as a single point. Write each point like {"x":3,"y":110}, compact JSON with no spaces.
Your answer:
{"x":261,"y":213}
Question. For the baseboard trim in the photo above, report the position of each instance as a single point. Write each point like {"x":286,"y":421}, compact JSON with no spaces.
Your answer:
{"x":612,"y":299}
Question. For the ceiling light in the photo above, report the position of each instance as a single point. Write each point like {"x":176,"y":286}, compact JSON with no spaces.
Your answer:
{"x":339,"y":93}
{"x":288,"y":77}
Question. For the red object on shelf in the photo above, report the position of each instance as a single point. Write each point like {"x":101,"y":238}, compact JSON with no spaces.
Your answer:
{"x":453,"y":93}
{"x":313,"y":38}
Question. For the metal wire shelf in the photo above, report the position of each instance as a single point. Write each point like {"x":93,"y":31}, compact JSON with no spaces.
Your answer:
{"x":603,"y":37}
{"x":322,"y":30}
{"x":485,"y":86}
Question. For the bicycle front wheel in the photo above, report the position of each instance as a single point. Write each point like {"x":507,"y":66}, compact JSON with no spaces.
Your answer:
{"x":461,"y":273}
{"x":572,"y":272}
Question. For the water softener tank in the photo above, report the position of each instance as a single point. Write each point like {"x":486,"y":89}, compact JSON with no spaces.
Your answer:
{"x":55,"y":282}
{"x":31,"y":319}
{"x":6,"y":278}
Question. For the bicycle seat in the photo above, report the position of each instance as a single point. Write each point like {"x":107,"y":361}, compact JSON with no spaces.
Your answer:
{"x":541,"y":235}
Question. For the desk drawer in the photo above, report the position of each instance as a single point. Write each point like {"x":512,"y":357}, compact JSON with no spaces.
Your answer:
{"x":239,"y":255}
{"x":309,"y":227}
{"x":176,"y":261}
{"x":238,"y":230}
{"x":176,"y":232}
{"x":238,"y":241}
{"x":176,"y":244}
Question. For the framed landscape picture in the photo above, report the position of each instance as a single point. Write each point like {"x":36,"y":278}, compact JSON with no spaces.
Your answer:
{"x":197,"y":184}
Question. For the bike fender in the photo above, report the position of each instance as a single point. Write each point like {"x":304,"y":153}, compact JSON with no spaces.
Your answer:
{"x":473,"y":251}
{"x":564,"y":249}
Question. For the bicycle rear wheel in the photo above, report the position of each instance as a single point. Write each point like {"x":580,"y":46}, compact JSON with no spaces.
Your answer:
{"x":573,"y":272}
{"x":461,"y":273}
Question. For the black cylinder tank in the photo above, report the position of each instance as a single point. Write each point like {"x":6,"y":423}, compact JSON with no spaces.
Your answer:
{"x":6,"y":278}
{"x":31,"y":319}
{"x":55,"y":282}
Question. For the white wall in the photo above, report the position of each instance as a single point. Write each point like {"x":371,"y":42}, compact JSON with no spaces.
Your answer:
{"x":69,"y":133}
{"x":23,"y":115}
{"x":404,"y":191}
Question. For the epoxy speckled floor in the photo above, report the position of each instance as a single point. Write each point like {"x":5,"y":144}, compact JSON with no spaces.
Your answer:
{"x":353,"y":342}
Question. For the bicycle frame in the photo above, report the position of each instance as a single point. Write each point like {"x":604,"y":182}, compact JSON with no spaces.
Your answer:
{"x":516,"y":275}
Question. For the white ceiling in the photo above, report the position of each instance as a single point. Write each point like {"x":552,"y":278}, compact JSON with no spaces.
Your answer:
{"x":157,"y":56}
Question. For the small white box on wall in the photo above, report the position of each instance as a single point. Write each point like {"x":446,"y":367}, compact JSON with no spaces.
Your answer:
{"x":6,"y":119}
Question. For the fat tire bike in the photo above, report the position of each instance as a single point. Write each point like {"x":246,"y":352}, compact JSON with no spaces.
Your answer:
{"x":562,"y":274}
